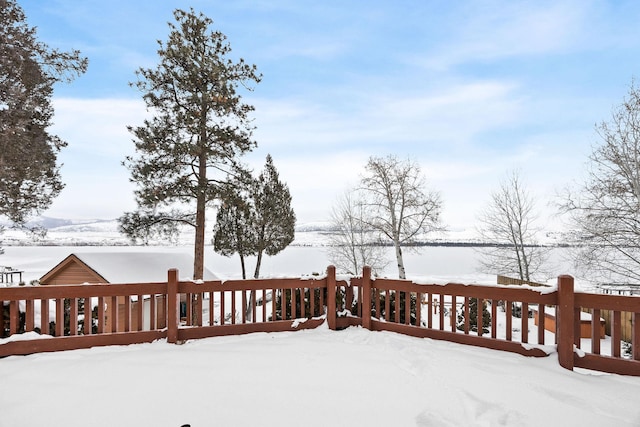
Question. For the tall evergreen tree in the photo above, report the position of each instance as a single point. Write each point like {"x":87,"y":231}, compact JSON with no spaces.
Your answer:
{"x":200,"y":127}
{"x":274,"y":219}
{"x":29,"y":174}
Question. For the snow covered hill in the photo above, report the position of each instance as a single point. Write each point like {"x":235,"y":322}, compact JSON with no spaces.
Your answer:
{"x":104,"y":232}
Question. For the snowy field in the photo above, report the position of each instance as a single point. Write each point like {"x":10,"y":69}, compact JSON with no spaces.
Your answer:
{"x":314,"y":378}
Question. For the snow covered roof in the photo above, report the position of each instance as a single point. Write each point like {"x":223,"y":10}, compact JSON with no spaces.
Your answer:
{"x":131,"y":267}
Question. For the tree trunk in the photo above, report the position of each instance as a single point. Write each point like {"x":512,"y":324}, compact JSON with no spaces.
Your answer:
{"x":401,"y":272}
{"x":198,"y":257}
{"x":244,"y":271}
{"x":201,"y":206}
{"x":256,"y":274}
{"x":252,"y":295}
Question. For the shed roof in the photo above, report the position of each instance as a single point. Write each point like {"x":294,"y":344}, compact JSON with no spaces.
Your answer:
{"x":130,"y":267}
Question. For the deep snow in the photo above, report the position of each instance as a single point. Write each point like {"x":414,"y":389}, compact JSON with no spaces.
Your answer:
{"x":314,"y":378}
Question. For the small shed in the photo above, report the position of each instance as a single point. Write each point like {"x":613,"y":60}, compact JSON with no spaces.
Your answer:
{"x":122,"y":268}
{"x":119,"y":267}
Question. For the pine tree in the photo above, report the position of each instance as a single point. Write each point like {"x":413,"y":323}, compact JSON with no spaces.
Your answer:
{"x":274,"y":219}
{"x":29,"y":174}
{"x":190,"y":148}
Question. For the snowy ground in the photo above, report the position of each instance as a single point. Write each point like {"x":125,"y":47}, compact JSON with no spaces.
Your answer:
{"x":314,"y":378}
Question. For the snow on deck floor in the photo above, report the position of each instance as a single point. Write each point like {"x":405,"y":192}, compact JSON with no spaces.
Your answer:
{"x":314,"y":378}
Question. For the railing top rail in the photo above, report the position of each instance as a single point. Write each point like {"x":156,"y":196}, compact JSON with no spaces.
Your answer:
{"x":608,"y":302}
{"x":512,"y":293}
{"x":80,"y":291}
{"x":249,"y":284}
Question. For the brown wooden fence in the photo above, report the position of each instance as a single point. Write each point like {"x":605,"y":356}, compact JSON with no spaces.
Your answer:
{"x":82,"y":316}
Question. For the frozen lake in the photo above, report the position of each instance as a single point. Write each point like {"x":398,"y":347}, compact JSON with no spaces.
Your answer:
{"x":437,"y":264}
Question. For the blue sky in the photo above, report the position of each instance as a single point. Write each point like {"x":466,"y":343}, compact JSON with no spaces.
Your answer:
{"x":468,"y":89}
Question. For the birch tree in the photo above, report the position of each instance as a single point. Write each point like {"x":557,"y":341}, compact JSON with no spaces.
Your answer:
{"x":605,"y":208}
{"x":398,"y":203}
{"x":508,"y":223}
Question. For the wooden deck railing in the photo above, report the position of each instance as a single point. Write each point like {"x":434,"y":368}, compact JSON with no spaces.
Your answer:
{"x":443,"y":303}
{"x":82,"y":316}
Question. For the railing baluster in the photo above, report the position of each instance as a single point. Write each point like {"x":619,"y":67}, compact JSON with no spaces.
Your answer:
{"x":199,"y":308}
{"x":152,"y":312}
{"x":221,"y":307}
{"x":635,"y":340}
{"x":524,"y":335}
{"x":244,"y":306}
{"x":114,"y":314}
{"x":73,"y":316}
{"x":253,"y":305}
{"x":140,"y":313}
{"x":44,"y":316}
{"x":541,"y":317}
{"x":127,"y":313}
{"x":441,"y":312}
{"x":29,"y":315}
{"x":264,"y":305}
{"x":101,"y":317}
{"x":509,"y":320}
{"x":479,"y":315}
{"x":87,"y":329}
{"x":407,"y":308}
{"x":274,"y":297}
{"x":189,"y":309}
{"x":616,"y":335}
{"x":387,"y":306}
{"x":453,"y":312}
{"x":233,"y":307}
{"x":494,"y":318}
{"x":577,"y":327}
{"x":595,"y":331}
{"x":14,"y":317}
{"x":211,"y":308}
{"x":60,"y":317}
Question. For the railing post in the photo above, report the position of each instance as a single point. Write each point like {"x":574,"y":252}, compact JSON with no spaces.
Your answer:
{"x":366,"y":297}
{"x":331,"y":297}
{"x":565,"y":321}
{"x":173,"y":306}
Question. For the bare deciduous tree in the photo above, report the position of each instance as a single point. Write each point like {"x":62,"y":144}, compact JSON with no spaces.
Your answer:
{"x":398,"y":204}
{"x":352,"y":244}
{"x":508,"y":223}
{"x":606,"y":208}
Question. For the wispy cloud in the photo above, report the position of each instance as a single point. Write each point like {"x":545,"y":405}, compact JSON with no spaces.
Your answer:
{"x":489,"y":31}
